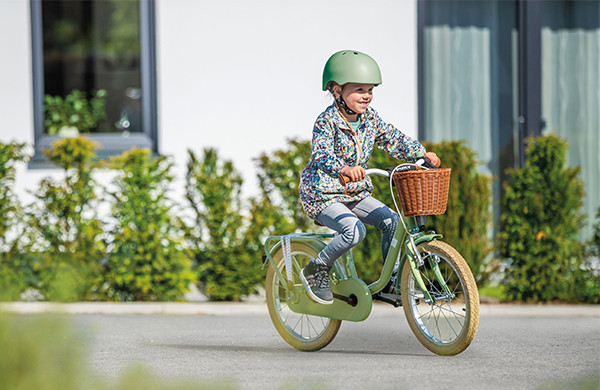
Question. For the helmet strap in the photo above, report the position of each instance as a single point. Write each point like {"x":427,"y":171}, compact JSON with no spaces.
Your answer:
{"x":341,"y":103}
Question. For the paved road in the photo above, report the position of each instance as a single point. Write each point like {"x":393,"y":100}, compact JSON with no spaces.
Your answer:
{"x":517,"y":347}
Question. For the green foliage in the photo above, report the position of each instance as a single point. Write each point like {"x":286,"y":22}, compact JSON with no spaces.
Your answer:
{"x":539,"y":226}
{"x":279,"y":178}
{"x":594,"y":243}
{"x":227,"y":269}
{"x":466,"y":223}
{"x":64,"y":232}
{"x":74,"y":111}
{"x":11,"y":211}
{"x":468,"y":210}
{"x":281,"y":210}
{"x":146,"y":257}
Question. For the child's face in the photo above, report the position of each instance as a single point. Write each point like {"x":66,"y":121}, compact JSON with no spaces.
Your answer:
{"x":357,"y":96}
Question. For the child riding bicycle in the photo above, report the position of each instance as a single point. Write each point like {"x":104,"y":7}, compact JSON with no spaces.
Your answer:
{"x":342,"y":143}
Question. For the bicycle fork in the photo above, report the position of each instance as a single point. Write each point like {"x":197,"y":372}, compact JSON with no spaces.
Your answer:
{"x":415,"y":261}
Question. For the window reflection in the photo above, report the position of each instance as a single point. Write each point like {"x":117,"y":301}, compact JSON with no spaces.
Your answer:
{"x":92,"y":46}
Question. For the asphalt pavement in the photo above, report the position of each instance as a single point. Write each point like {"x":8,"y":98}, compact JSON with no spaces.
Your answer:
{"x":526,"y":347}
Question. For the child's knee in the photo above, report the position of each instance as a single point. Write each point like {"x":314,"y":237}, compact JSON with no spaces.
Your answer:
{"x":389,"y":224}
{"x":355,"y":234}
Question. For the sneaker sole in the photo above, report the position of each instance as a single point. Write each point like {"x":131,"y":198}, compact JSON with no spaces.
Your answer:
{"x":309,"y":292}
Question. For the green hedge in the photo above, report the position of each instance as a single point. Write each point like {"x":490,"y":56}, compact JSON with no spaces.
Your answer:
{"x":63,"y":230}
{"x":146,"y":256}
{"x":226,"y":268}
{"x":150,"y":248}
{"x":539,"y":229}
{"x":12,"y":275}
{"x":466,"y":224}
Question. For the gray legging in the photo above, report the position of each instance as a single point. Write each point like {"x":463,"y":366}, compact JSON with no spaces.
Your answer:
{"x":348,"y":220}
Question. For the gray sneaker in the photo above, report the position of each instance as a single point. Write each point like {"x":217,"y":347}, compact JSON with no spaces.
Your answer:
{"x":315,"y":278}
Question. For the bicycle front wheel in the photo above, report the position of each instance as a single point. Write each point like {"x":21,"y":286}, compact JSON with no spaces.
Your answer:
{"x":448,"y":325}
{"x":301,"y":331}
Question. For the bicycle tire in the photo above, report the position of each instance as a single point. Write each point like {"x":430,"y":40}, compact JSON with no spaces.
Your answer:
{"x":301,"y":331}
{"x":448,"y":326}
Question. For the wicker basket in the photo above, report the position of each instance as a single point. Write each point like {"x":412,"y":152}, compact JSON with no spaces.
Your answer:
{"x":423,"y":192}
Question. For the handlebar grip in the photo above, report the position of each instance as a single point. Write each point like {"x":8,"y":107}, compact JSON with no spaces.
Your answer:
{"x":344,"y":180}
{"x":424,"y":162}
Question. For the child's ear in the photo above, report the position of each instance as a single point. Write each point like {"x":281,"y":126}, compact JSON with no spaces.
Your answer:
{"x":337,"y":91}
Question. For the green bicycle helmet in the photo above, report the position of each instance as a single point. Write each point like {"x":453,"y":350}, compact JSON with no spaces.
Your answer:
{"x":351,"y":66}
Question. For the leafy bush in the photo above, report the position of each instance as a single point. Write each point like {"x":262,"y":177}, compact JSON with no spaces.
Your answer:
{"x":466,"y":223}
{"x":10,"y":209}
{"x":539,"y":225}
{"x":594,"y":244}
{"x":279,"y":180}
{"x":65,"y":234}
{"x":227,"y":270}
{"x":468,"y":209}
{"x":146,"y":257}
{"x":74,"y":111}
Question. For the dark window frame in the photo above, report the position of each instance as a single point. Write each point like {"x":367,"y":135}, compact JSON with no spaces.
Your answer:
{"x":111,"y":144}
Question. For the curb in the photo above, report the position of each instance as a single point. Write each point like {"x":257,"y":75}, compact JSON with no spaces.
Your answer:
{"x":260,"y":308}
{"x":175,"y":308}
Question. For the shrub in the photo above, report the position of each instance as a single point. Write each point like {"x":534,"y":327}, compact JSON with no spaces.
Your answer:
{"x":539,"y":225}
{"x":468,"y":211}
{"x":74,"y":111}
{"x":11,"y":276}
{"x":146,"y":257}
{"x":594,"y":244}
{"x":279,"y":180}
{"x":226,"y":269}
{"x":466,"y":223}
{"x":65,"y":243}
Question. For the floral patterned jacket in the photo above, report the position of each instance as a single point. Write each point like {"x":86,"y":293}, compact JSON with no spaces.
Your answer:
{"x":334,"y":146}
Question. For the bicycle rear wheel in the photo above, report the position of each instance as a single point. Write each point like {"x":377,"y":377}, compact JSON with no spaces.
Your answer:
{"x":447,"y":326}
{"x":301,"y":331}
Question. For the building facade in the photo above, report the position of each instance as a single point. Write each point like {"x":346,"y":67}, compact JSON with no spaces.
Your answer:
{"x":244,"y":76}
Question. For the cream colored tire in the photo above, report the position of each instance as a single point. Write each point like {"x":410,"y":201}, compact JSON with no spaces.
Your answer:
{"x":448,"y":326}
{"x":301,"y":331}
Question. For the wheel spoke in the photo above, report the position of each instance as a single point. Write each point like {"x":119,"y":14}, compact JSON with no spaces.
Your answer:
{"x":299,"y":330}
{"x":443,"y":320}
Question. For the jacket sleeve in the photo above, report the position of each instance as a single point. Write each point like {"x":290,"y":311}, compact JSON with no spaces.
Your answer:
{"x":391,"y":140}
{"x":323,"y":153}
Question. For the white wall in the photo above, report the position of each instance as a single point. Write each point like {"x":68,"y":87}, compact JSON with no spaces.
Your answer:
{"x":16,"y":91}
{"x":244,"y":76}
{"x":241,"y":76}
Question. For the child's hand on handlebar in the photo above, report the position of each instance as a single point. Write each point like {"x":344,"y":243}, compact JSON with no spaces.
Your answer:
{"x":355,"y":173}
{"x":433,"y":158}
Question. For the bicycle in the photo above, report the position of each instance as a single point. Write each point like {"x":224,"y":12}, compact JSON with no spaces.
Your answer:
{"x":434,"y":286}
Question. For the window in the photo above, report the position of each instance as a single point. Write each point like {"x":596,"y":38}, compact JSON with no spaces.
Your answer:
{"x":467,"y":83}
{"x":570,"y":73}
{"x":95,"y":48}
{"x":495,"y":72}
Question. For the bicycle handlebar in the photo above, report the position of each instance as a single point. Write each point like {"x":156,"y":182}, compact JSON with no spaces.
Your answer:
{"x":421,"y":162}
{"x":377,"y":172}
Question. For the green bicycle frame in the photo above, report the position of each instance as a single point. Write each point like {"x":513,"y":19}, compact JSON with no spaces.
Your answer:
{"x":345,"y":280}
{"x":410,"y":254}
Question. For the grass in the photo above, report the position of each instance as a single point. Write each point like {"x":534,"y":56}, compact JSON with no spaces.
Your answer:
{"x":492,"y":293}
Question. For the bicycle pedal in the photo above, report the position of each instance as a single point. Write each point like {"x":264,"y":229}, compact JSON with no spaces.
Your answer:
{"x":392,"y":299}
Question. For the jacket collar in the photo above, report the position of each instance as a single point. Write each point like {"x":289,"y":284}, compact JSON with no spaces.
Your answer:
{"x":339,"y":122}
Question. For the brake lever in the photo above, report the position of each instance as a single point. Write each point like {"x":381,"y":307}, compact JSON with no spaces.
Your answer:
{"x":424,"y":162}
